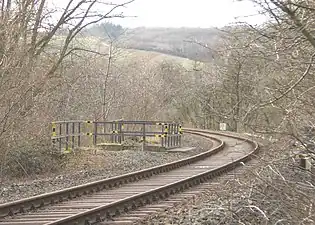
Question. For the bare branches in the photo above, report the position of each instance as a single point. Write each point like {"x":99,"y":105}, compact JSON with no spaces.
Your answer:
{"x":276,"y":98}
{"x":39,"y":14}
{"x":35,"y":40}
{"x":292,"y":15}
{"x":85,"y":50}
{"x":73,"y":32}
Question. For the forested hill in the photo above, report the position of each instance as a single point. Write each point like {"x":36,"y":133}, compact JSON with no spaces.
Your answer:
{"x":173,"y":41}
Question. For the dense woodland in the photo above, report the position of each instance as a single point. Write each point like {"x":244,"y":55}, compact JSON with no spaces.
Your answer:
{"x":257,"y":79}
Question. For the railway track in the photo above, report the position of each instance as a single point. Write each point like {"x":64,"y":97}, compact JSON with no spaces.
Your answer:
{"x":102,"y":201}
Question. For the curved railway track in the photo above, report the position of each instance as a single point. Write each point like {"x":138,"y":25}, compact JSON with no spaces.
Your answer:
{"x":104,"y":200}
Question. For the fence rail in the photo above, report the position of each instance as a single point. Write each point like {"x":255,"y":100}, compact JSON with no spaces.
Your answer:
{"x":68,"y":135}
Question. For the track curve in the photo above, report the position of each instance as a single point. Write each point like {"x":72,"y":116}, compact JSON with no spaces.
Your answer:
{"x":131,"y":190}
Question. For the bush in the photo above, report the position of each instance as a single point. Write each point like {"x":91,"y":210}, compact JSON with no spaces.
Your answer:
{"x":29,"y":159}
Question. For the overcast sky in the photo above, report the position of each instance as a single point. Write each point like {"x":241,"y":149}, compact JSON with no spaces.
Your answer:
{"x":188,"y":13}
{"x":179,"y":13}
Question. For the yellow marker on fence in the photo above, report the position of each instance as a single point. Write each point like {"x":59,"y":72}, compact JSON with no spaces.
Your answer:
{"x":53,"y":126}
{"x":67,"y":150}
{"x":166,"y":129}
{"x":160,"y":135}
{"x":88,"y":128}
{"x":180,"y":130}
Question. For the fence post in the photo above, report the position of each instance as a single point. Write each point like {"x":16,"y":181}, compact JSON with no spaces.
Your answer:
{"x":54,"y":134}
{"x":107,"y":128}
{"x":116,"y":130}
{"x":73,"y":131}
{"x":95,"y":134}
{"x":112,"y":132}
{"x":143,"y":137}
{"x":60,"y":133}
{"x":79,"y":134}
{"x":180,"y":134}
{"x":172,"y":134}
{"x":121,"y":135}
{"x":162,"y":139}
{"x":167,"y":130}
{"x":67,"y":136}
{"x":165,"y":135}
{"x":177,"y":135}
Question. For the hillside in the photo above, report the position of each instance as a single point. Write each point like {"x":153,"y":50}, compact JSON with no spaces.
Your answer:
{"x":122,"y":53}
{"x":155,"y":57}
{"x":173,"y":41}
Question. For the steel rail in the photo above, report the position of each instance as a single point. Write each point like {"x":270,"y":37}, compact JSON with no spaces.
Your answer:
{"x":38,"y":201}
{"x":115,"y":208}
{"x":107,"y":211}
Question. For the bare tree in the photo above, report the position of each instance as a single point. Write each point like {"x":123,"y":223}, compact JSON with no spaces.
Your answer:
{"x":37,"y":44}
